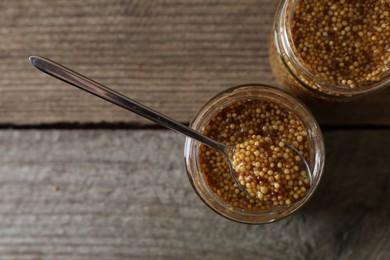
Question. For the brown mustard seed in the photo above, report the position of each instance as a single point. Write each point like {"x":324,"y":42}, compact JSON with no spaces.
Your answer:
{"x":252,"y":120}
{"x":345,"y":42}
{"x":279,"y":159}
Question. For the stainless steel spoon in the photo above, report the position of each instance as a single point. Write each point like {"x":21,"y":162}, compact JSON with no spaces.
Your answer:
{"x":69,"y":76}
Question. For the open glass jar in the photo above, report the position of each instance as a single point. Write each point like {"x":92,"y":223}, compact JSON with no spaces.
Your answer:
{"x":230,"y":118}
{"x":333,"y":50}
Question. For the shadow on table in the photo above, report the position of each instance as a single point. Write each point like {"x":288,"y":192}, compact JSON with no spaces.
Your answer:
{"x":352,"y":202}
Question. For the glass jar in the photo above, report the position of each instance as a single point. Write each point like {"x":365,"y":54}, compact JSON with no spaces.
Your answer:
{"x":332,"y":50}
{"x":198,"y":179}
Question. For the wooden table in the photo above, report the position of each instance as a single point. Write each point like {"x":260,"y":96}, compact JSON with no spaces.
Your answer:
{"x":82,"y":179}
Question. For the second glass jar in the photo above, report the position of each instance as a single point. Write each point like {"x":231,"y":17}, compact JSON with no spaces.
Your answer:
{"x":332,"y":50}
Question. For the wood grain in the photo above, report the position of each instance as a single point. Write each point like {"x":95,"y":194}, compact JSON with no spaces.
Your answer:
{"x":122,"y":194}
{"x":172,"y":55}
{"x":100,"y":194}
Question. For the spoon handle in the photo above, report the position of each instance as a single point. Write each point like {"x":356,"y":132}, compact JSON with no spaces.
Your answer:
{"x":69,"y":76}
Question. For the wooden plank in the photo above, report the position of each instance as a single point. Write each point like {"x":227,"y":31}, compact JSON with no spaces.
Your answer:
{"x":125,"y":195}
{"x":172,"y":55}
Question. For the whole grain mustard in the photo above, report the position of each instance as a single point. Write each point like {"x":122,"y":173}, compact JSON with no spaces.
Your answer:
{"x":269,"y":171}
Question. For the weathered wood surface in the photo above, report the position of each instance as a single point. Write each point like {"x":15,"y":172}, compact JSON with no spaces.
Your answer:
{"x":172,"y":55}
{"x":101,"y":194}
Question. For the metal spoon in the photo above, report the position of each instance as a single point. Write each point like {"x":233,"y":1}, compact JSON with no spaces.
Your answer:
{"x":69,"y":76}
